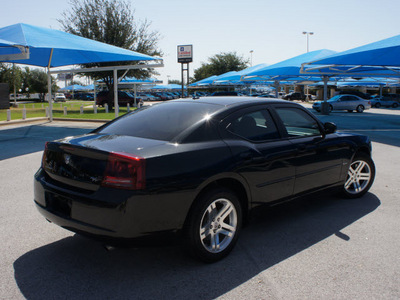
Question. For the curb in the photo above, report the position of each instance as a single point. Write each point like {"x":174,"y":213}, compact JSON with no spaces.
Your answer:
{"x":31,"y":120}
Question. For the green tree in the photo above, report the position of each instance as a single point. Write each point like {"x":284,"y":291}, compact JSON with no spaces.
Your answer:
{"x":111,"y":22}
{"x":11,"y":74}
{"x":220,"y":64}
{"x":37,"y":82}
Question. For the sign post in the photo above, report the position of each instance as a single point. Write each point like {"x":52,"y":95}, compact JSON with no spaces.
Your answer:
{"x":185,"y":56}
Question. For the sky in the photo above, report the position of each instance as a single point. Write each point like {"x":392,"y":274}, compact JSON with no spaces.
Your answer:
{"x":272,"y":29}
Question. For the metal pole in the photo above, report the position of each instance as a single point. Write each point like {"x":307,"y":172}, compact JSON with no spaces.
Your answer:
{"x":182,"y":78}
{"x":49,"y":87}
{"x":135,"y":93}
{"x":187,"y":82}
{"x":276,"y":88}
{"x":15,"y":88}
{"x":115,"y":92}
{"x":325,"y":105}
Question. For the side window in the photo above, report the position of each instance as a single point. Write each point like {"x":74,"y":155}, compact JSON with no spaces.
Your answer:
{"x":254,"y":126}
{"x":297,"y":122}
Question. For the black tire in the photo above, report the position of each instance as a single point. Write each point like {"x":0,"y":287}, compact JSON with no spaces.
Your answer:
{"x":395,"y":105}
{"x":360,"y":176}
{"x":377,"y":105}
{"x":360,"y":108}
{"x":218,"y":214}
{"x":350,"y":110}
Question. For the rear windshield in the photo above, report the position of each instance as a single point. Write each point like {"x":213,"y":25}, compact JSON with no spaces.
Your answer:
{"x":163,"y":121}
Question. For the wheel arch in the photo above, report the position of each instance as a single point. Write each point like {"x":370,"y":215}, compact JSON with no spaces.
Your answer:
{"x":233,"y":182}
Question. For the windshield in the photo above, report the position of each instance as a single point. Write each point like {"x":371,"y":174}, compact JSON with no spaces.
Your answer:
{"x":163,"y":121}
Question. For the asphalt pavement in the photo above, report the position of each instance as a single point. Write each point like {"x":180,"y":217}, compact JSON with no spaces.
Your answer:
{"x":321,"y":248}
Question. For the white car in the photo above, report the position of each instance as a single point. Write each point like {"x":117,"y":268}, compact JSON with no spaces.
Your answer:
{"x":59,"y":97}
{"x":345,"y":102}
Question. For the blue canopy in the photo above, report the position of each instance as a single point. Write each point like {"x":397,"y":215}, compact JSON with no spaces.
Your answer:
{"x":139,"y":81}
{"x":66,"y":48}
{"x":168,"y":87}
{"x":204,"y":82}
{"x":234,"y":77}
{"x":378,"y":58}
{"x":287,"y":68}
{"x":74,"y":87}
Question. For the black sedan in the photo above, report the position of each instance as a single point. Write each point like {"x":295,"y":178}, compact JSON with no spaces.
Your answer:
{"x":196,"y":167}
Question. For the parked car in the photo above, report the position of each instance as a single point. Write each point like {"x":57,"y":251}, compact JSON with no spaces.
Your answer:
{"x":196,"y":168}
{"x":59,"y":97}
{"x":267,"y":96}
{"x":356,"y":93}
{"x":84,"y":96}
{"x":147,"y":97}
{"x":383,"y":101}
{"x":345,"y":102}
{"x":123,"y":98}
{"x":224,"y":93}
{"x":394,"y":97}
{"x":294,"y":96}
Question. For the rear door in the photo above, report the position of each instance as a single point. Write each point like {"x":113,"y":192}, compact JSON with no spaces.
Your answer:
{"x":260,"y":154}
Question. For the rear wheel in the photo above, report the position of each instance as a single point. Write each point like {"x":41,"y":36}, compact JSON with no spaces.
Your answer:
{"x":377,"y":105}
{"x":213,"y":225}
{"x":360,"y":176}
{"x":360,"y":109}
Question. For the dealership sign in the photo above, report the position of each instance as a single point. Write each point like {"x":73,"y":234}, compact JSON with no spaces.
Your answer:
{"x":185,"y":53}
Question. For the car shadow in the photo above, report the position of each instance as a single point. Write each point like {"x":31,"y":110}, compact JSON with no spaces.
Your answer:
{"x":32,"y":138}
{"x":79,"y":268}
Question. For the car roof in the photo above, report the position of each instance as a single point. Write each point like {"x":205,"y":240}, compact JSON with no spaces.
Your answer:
{"x":234,"y":100}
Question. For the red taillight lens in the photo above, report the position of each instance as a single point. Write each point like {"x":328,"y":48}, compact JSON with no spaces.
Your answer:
{"x":124,"y":171}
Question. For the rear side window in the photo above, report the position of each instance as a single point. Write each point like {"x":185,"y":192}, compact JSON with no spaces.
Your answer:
{"x":297,"y":122}
{"x":254,"y":126}
{"x":163,"y":121}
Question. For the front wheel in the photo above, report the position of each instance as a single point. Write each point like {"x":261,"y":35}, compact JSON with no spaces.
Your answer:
{"x":214,"y":225}
{"x":360,"y":176}
{"x":360,"y":109}
{"x":395,"y":105}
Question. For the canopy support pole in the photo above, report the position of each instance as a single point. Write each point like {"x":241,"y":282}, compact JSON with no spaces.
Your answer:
{"x":325,"y":105}
{"x":276,"y":88}
{"x":116,"y":108}
{"x":15,"y":87}
{"x":135,"y":93}
{"x":49,"y":87}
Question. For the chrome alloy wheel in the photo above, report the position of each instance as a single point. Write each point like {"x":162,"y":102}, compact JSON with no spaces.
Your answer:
{"x":358,"y":177}
{"x":218,"y":225}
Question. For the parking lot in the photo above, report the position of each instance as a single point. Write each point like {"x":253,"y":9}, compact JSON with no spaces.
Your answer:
{"x":321,"y":248}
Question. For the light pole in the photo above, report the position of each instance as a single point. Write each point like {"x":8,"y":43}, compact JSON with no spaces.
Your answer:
{"x":307,"y":33}
{"x":251,"y":58}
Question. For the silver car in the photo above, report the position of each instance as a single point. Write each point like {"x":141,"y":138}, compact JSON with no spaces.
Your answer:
{"x":345,"y":102}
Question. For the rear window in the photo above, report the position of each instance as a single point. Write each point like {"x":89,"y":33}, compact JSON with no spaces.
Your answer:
{"x":163,"y":121}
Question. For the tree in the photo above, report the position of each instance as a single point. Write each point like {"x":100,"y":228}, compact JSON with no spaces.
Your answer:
{"x":111,"y":22}
{"x":220,"y":64}
{"x":11,"y":74}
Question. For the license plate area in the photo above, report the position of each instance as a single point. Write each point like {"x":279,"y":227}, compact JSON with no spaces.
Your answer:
{"x":58,"y":205}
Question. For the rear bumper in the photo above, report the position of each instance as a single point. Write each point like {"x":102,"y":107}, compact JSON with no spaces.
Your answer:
{"x":109,"y":213}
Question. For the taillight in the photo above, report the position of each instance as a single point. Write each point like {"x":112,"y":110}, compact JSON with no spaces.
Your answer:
{"x":124,"y":171}
{"x":44,"y":154}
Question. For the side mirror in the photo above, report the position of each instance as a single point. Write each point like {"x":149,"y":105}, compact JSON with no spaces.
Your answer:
{"x":330,"y":127}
